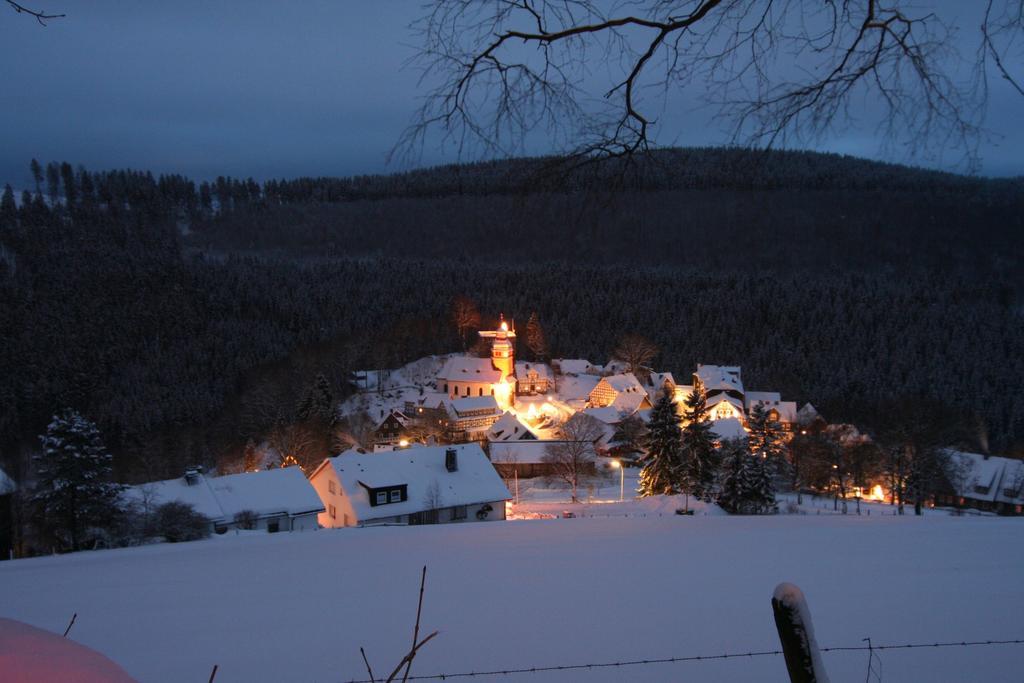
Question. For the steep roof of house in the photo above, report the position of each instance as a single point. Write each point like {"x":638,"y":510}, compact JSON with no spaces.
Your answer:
{"x":628,"y":403}
{"x":474,"y":481}
{"x":719,"y":398}
{"x":577,"y":387}
{"x":807,"y":414}
{"x":626,"y":382}
{"x":509,"y":428}
{"x":472,"y":403}
{"x":576,"y":366}
{"x":608,"y":414}
{"x":466,"y":369}
{"x":523,"y":368}
{"x":267,"y":493}
{"x":991,"y":473}
{"x":720,"y":377}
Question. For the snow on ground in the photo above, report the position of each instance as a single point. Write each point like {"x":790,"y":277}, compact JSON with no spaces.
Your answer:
{"x":297,"y":607}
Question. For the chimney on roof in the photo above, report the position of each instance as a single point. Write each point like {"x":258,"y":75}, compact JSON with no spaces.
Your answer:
{"x":451,"y":460}
{"x":192,"y":475}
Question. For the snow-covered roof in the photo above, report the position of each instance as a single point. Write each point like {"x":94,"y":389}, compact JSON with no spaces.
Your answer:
{"x":626,"y":382}
{"x":509,"y":428}
{"x":807,"y":414}
{"x":461,"y":406}
{"x":656,"y":382}
{"x":720,"y":377}
{"x":474,"y":481}
{"x":466,"y":369}
{"x":629,"y":403}
{"x":267,"y":493}
{"x":767,"y":397}
{"x":987,"y":474}
{"x":786,"y":409}
{"x":524,"y":369}
{"x":608,"y":414}
{"x":719,"y":398}
{"x":728,"y":428}
{"x":577,"y":387}
{"x":575,"y":366}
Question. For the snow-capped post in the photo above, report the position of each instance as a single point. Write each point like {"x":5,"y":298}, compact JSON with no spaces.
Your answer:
{"x":796,"y":632}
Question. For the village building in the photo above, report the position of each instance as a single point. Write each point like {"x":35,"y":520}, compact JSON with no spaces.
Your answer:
{"x":984,"y":482}
{"x":467,"y":377}
{"x":534,"y":378}
{"x":509,"y":428}
{"x":392,"y":431}
{"x":575,"y":366}
{"x":726,"y":397}
{"x":269,"y":500}
{"x":470,"y":418}
{"x":623,"y":391}
{"x":423,"y":485}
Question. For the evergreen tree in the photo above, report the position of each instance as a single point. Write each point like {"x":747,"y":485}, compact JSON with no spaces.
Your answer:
{"x":74,"y":490}
{"x":37,"y":175}
{"x":8,"y":207}
{"x":318,"y":403}
{"x":736,"y":484}
{"x":53,"y":182}
{"x":700,"y":458}
{"x":661,"y":474}
{"x":768,"y":441}
{"x":535,"y":339}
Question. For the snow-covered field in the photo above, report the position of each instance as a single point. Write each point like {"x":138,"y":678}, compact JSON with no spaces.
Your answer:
{"x":297,"y":607}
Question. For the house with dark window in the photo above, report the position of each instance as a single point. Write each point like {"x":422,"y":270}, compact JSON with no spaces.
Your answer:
{"x":419,"y":485}
{"x":392,"y":430}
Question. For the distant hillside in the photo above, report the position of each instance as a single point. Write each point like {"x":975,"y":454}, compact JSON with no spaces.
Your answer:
{"x":709,"y":208}
{"x":189,"y":320}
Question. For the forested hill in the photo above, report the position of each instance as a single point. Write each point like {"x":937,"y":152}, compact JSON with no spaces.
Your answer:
{"x":189,"y":319}
{"x":725,"y":209}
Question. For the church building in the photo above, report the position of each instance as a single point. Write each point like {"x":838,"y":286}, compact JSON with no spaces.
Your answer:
{"x":464,"y":377}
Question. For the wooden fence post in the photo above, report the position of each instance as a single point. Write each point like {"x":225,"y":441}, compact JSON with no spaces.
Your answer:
{"x":796,"y":632}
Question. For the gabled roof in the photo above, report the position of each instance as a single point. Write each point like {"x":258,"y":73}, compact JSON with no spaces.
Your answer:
{"x":807,"y":414}
{"x":577,"y":387}
{"x":719,"y":398}
{"x":992,"y":474}
{"x":475,"y":480}
{"x":628,"y":403}
{"x":267,"y":493}
{"x":509,"y":428}
{"x":608,"y":414}
{"x":720,"y":377}
{"x":473,"y":403}
{"x":523,"y":369}
{"x":576,"y":366}
{"x":466,"y":369}
{"x":626,"y":382}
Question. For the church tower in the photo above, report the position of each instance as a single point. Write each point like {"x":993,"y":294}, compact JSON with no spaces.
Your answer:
{"x":502,"y":351}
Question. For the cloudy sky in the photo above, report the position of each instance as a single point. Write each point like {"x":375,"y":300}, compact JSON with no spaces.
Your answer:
{"x":265,"y":89}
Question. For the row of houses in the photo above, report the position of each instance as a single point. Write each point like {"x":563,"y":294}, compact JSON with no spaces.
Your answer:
{"x":984,"y":482}
{"x":424,"y":485}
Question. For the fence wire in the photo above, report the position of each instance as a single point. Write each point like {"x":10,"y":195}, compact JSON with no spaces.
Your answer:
{"x":691,"y":658}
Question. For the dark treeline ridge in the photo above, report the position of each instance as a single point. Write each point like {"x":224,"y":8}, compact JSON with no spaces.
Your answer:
{"x":180,"y":319}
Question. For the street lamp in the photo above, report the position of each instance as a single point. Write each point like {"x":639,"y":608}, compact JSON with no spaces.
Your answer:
{"x":616,"y":464}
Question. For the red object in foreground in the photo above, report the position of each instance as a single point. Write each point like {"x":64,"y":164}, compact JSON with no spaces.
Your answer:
{"x":32,"y":655}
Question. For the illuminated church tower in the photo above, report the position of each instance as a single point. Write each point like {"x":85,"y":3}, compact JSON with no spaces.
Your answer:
{"x":502,"y":351}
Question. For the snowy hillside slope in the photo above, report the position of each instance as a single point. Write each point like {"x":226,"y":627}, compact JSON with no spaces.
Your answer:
{"x":297,"y":607}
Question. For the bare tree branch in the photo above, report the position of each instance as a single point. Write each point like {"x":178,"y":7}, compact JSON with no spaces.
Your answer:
{"x":40,"y":16}
{"x":778,"y":71}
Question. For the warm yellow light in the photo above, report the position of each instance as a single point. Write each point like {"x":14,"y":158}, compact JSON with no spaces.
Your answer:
{"x":877,"y":493}
{"x":403,"y":443}
{"x":504,"y":326}
{"x":616,"y":464}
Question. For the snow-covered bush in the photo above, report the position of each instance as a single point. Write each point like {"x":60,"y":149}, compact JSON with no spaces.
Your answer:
{"x":177,"y":521}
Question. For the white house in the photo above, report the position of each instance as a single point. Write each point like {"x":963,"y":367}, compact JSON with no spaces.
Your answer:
{"x":422,"y":485}
{"x":509,"y":428}
{"x":278,"y":500}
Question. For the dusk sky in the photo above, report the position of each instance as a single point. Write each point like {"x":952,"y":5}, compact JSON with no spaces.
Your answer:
{"x":269,"y":90}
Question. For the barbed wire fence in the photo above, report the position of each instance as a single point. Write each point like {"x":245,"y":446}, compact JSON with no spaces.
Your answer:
{"x":874,"y":668}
